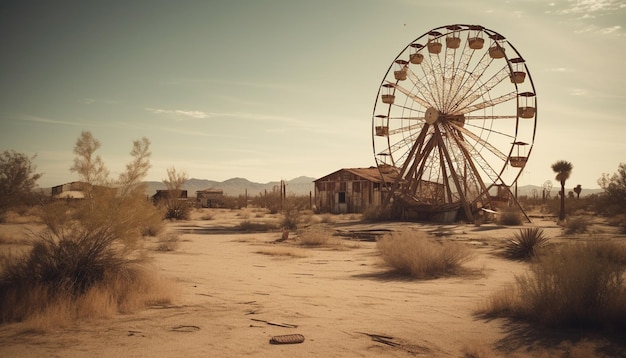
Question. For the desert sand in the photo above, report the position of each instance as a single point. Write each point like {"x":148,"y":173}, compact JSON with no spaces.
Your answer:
{"x":238,"y":290}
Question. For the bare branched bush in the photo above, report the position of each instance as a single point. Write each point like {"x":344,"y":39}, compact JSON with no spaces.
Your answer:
{"x":416,"y":254}
{"x":526,"y":244}
{"x":577,"y":285}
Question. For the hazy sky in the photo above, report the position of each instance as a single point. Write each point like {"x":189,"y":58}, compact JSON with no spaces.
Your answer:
{"x":275,"y":89}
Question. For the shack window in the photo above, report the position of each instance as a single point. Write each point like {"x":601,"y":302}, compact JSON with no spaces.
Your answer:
{"x":342,"y":186}
{"x":342,"y":197}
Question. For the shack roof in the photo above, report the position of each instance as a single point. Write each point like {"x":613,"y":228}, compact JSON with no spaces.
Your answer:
{"x":372,"y":174}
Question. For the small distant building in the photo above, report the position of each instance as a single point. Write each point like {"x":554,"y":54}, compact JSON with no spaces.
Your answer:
{"x":353,"y":190}
{"x":73,"y":190}
{"x":162,"y":195}
{"x":210,"y":198}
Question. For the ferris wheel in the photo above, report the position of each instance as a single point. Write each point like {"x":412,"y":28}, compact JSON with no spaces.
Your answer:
{"x":455,"y":119}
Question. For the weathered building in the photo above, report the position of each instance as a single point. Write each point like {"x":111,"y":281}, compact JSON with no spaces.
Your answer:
{"x":162,"y":195}
{"x":210,"y":198}
{"x":73,"y":190}
{"x":353,"y":190}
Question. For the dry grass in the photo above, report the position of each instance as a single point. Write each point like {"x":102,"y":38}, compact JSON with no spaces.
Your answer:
{"x":416,"y":254}
{"x":319,"y":236}
{"x":576,"y":285}
{"x":43,"y":308}
{"x":283,"y":252}
{"x":576,"y":225}
{"x":248,"y":225}
{"x":168,"y":242}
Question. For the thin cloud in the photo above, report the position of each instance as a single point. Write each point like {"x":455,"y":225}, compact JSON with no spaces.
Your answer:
{"x":30,"y":118}
{"x":588,"y":6}
{"x":179,"y":113}
{"x":557,"y":69}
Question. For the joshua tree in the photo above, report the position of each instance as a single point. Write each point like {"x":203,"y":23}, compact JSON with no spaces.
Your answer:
{"x":577,"y":190}
{"x":563,"y":169}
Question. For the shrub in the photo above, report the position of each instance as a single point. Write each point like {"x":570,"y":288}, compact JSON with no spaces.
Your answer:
{"x":318,"y":235}
{"x":168,"y":242}
{"x":576,"y":225}
{"x":510,"y":217}
{"x":247,"y":225}
{"x":526,"y":244}
{"x":579,"y":285}
{"x":418,"y":255}
{"x":376,"y":213}
{"x":291,"y":218}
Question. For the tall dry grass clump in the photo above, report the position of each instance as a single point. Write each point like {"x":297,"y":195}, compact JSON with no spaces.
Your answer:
{"x":578,"y":285}
{"x":417,"y":254}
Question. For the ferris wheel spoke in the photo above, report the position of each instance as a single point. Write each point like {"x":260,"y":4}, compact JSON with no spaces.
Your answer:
{"x":490,"y":130}
{"x":473,"y":76}
{"x":431,"y":80}
{"x":459,"y":76}
{"x":483,"y":142}
{"x":489,"y":117}
{"x":422,"y":88}
{"x":472,"y":95}
{"x":405,"y":129}
{"x":408,"y":93}
{"x":488,"y":103}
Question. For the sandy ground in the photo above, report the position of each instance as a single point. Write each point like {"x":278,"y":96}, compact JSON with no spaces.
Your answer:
{"x":341,"y":299}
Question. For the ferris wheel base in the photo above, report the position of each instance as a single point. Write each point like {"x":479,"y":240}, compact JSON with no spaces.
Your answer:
{"x":406,"y":207}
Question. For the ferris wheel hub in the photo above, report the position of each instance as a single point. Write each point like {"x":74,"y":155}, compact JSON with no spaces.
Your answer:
{"x":431,"y":116}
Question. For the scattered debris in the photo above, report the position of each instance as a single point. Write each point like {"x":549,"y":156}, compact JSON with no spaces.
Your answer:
{"x":286,"y":325}
{"x":287,"y":339}
{"x":185,"y":328}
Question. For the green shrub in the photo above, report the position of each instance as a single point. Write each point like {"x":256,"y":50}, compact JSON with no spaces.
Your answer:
{"x":526,"y":244}
{"x":576,"y":285}
{"x":416,"y":254}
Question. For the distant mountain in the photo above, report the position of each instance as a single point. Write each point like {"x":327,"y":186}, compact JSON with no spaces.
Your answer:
{"x":304,"y":185}
{"x":238,"y":186}
{"x":535,"y":190}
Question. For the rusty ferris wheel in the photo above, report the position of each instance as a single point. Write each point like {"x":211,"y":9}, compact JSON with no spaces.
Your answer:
{"x":455,"y":118}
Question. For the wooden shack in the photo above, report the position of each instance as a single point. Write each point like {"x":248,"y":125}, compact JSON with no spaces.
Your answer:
{"x":353,"y":190}
{"x":210,"y":198}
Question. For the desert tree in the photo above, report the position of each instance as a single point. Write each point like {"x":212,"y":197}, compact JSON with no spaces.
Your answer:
{"x":17,"y":179}
{"x":563,"y":170}
{"x":88,"y":165}
{"x":578,"y":189}
{"x":614,"y":187}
